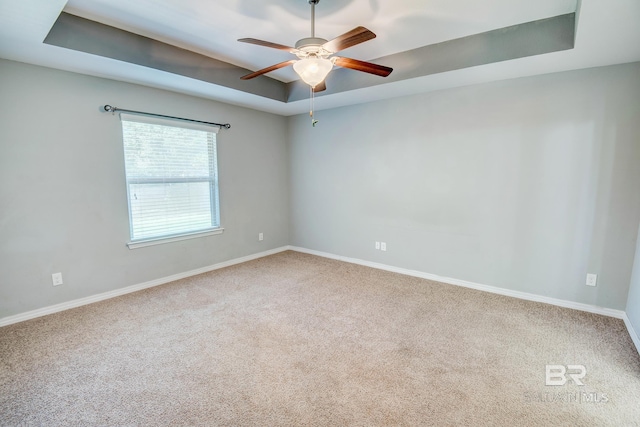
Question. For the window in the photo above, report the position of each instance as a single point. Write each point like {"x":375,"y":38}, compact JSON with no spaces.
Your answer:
{"x":172,"y":179}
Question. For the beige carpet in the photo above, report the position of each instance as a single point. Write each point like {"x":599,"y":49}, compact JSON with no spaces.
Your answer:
{"x":294,"y":339}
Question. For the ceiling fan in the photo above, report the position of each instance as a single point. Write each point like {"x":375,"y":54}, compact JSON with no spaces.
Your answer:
{"x":315,"y":55}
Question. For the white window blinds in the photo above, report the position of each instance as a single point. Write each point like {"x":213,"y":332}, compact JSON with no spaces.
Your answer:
{"x":172,"y":178}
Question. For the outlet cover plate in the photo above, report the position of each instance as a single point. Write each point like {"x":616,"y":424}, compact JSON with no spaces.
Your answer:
{"x":56,"y":278}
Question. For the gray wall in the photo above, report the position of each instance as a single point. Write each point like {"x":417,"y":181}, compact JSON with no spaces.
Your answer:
{"x":63,"y":203}
{"x":525,"y":184}
{"x":633,"y":301}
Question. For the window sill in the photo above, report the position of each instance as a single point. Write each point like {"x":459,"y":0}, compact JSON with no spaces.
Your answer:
{"x":162,"y":240}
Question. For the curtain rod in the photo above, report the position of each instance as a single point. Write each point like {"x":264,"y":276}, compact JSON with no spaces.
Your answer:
{"x":111,"y":109}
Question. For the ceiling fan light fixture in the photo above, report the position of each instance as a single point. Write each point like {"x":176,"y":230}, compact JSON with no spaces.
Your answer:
{"x":313,"y":71}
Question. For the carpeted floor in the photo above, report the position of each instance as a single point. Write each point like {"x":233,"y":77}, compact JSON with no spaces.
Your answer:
{"x":294,"y":339}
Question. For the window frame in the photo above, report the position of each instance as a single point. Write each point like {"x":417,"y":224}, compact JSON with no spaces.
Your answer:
{"x":212,"y":179}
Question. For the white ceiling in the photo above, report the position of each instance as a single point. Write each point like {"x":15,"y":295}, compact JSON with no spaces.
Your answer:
{"x":608,"y":32}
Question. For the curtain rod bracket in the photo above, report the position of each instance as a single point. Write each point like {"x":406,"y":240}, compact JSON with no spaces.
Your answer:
{"x":110,"y":109}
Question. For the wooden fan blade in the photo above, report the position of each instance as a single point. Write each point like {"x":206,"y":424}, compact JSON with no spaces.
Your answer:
{"x":320,"y":87}
{"x":267,"y":70}
{"x":356,"y":36}
{"x":269,"y":44}
{"x":367,"y":67}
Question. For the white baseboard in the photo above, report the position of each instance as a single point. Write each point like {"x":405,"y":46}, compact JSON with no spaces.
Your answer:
{"x":619,"y":314}
{"x":634,"y":335}
{"x":129,"y":289}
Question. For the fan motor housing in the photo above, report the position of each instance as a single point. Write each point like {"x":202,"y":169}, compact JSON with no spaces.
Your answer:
{"x":309,"y":42}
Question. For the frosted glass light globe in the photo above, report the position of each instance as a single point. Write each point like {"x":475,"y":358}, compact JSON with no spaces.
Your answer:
{"x":313,"y":70}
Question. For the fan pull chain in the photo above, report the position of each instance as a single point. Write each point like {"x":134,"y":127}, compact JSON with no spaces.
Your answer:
{"x":313,"y":121}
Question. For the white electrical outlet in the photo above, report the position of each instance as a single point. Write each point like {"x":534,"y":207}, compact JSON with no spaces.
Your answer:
{"x":592,"y":279}
{"x":56,"y":278}
{"x":378,"y":245}
{"x":383,"y":246}
{"x":260,"y":236}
